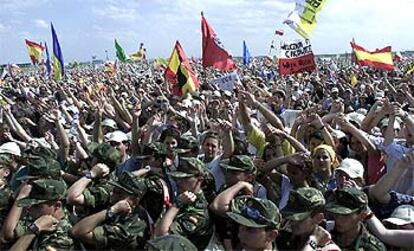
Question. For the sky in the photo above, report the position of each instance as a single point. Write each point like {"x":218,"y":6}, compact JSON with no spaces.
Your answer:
{"x":88,"y":28}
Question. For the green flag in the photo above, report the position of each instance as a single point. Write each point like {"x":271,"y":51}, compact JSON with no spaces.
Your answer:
{"x":120,"y":54}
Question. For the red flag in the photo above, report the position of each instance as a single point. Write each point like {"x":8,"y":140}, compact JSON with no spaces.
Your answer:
{"x":279,"y":32}
{"x":213,"y":54}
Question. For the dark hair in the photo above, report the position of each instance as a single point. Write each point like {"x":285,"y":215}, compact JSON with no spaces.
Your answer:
{"x":170,"y":132}
{"x":317,"y":135}
{"x":212,"y":135}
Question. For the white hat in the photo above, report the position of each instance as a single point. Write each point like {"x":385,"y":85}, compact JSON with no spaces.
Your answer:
{"x":117,"y":136}
{"x":355,"y":117}
{"x":335,"y":89}
{"x":402,"y":215}
{"x":109,"y":123}
{"x":338,"y":134}
{"x":10,"y":148}
{"x":352,"y":167}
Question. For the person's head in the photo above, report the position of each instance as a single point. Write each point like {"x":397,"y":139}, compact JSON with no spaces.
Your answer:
{"x":298,"y":172}
{"x":210,"y":145}
{"x":104,"y":153}
{"x":334,"y":93}
{"x":259,"y":221}
{"x":348,"y":209}
{"x":406,"y":132}
{"x":45,"y":198}
{"x":10,"y":151}
{"x":384,"y":123}
{"x":278,"y":98}
{"x":315,"y":139}
{"x":401,"y":218}
{"x":323,"y":159}
{"x":238,"y":168}
{"x":119,"y":140}
{"x":304,"y":210}
{"x":108,"y":125}
{"x":349,"y":169}
{"x":188,"y":146}
{"x":189,"y":175}
{"x":170,"y":137}
{"x":128,"y":186}
{"x":153,"y":154}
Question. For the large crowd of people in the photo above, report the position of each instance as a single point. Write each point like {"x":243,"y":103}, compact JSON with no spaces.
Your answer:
{"x":105,"y":160}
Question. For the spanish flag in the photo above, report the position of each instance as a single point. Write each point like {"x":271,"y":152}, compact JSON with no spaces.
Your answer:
{"x":35,"y":51}
{"x":379,"y":59}
{"x":179,"y":73}
{"x":57,"y":57}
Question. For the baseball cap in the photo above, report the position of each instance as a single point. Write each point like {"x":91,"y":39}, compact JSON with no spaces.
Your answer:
{"x":385,"y":123}
{"x":402,"y":215}
{"x":240,"y":163}
{"x":347,"y":201}
{"x":44,"y":190}
{"x":352,"y":167}
{"x":188,"y":167}
{"x":254,"y":212}
{"x":41,"y":167}
{"x":116,"y":136}
{"x":10,"y":148}
{"x":335,"y":89}
{"x":171,"y":242}
{"x":109,"y":123}
{"x":279,"y":91}
{"x":153,"y":149}
{"x":131,"y":184}
{"x":302,"y":202}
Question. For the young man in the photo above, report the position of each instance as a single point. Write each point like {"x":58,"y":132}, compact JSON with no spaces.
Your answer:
{"x":258,"y":219}
{"x":188,"y":216}
{"x":51,"y":226}
{"x":305,"y":212}
{"x":124,"y":225}
{"x":349,"y":210}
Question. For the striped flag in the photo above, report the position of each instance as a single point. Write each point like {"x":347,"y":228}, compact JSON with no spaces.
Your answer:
{"x":57,"y":57}
{"x":179,"y":73}
{"x":379,"y":59}
{"x":35,"y":51}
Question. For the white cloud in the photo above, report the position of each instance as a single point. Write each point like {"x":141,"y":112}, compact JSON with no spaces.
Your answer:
{"x":41,"y":23}
{"x":116,"y":13}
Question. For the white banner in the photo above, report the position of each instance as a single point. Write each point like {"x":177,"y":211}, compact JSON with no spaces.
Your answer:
{"x":228,"y":82}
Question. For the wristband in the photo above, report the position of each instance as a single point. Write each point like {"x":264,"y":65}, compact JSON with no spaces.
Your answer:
{"x":312,"y":243}
{"x":110,"y":214}
{"x":34,"y":229}
{"x":88,"y":175}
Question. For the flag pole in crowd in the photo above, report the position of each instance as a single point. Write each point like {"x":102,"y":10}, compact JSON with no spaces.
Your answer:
{"x":57,"y":57}
{"x":213,"y":53}
{"x":179,"y":72}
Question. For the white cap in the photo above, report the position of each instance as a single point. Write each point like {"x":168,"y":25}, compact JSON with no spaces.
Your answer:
{"x":109,"y":123}
{"x":117,"y":136}
{"x":10,"y":148}
{"x":402,"y":215}
{"x":335,"y":89}
{"x":352,"y":167}
{"x":338,"y":134}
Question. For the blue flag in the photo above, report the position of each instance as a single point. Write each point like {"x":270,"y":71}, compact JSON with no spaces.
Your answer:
{"x":57,"y":57}
{"x":247,"y":58}
{"x":48,"y":67}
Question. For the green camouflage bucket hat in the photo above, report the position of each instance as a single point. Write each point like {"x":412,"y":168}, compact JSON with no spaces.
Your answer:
{"x":153,"y":149}
{"x":171,"y":242}
{"x":254,"y":212}
{"x":131,"y":184}
{"x":302,"y":203}
{"x":189,"y":167}
{"x":43,"y":191}
{"x":239,"y":163}
{"x":105,"y":153}
{"x":41,"y":167}
{"x":347,"y":201}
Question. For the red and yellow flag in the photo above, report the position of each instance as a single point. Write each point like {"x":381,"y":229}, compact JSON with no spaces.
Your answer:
{"x":380,"y":58}
{"x":179,"y":73}
{"x":35,"y":51}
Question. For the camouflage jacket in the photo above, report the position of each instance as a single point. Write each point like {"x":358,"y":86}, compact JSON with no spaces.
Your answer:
{"x":365,"y":242}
